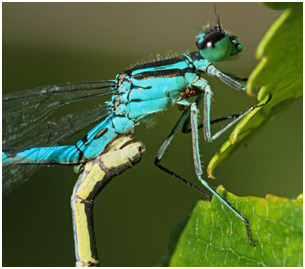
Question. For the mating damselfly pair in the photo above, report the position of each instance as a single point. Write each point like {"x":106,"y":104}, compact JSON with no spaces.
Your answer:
{"x":173,"y":81}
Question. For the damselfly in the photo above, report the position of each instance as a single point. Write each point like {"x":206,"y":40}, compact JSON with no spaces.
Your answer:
{"x":137,"y":94}
{"x":144,"y":89}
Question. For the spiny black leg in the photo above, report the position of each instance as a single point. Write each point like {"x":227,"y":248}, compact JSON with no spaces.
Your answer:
{"x":187,"y":129}
{"x":165,"y":145}
{"x":170,"y":172}
{"x":235,"y":77}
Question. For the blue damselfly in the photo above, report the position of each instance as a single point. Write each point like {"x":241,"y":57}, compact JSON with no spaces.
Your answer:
{"x":120,"y":65}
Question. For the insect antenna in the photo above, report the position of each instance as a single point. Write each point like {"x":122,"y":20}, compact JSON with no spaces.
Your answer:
{"x":217,"y":19}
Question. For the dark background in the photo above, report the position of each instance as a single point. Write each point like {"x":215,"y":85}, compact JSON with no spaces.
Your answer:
{"x":47,"y":43}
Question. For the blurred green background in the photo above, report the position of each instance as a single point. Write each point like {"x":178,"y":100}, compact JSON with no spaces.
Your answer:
{"x":48,"y":43}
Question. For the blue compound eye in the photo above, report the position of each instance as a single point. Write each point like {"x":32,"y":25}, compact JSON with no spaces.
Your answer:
{"x":215,"y":46}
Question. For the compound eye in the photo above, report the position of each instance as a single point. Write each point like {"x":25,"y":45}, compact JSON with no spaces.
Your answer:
{"x":215,"y":47}
{"x":210,"y":40}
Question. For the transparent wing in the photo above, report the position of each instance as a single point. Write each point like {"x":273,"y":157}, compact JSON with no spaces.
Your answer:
{"x":23,"y":111}
{"x":26,"y":124}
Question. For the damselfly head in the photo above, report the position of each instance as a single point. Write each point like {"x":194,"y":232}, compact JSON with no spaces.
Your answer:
{"x":215,"y":44}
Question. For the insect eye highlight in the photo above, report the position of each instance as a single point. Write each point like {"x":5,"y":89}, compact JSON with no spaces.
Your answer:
{"x":210,"y":40}
{"x":215,"y":46}
{"x":233,"y":39}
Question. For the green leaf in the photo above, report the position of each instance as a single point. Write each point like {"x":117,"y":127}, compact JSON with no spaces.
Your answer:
{"x":279,"y":73}
{"x":214,"y":236}
{"x":172,"y":242}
